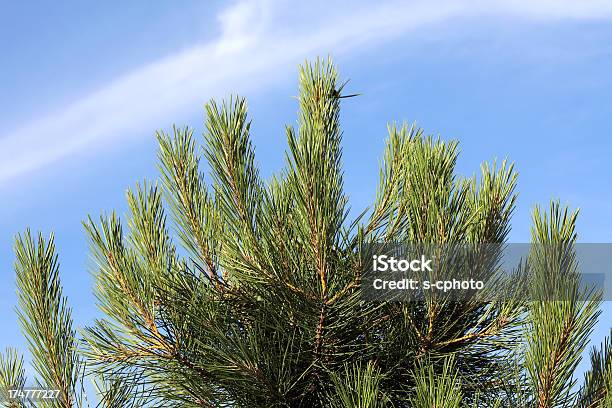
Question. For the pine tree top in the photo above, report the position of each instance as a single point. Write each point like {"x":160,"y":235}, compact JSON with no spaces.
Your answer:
{"x":227,"y":290}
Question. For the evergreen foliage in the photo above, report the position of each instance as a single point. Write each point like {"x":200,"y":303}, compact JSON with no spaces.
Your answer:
{"x":259,"y":305}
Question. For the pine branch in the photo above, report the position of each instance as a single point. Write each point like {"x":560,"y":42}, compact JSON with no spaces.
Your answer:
{"x":122,"y":392}
{"x":439,"y":391}
{"x":149,"y":234}
{"x":596,"y":391}
{"x":232,"y":159}
{"x":194,"y":211}
{"x":357,"y":386}
{"x":314,"y":177}
{"x":562,"y":315}
{"x":12,"y":377}
{"x":46,"y":319}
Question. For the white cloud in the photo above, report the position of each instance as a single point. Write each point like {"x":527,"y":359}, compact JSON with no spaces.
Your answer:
{"x":554,"y":9}
{"x":258,"y":38}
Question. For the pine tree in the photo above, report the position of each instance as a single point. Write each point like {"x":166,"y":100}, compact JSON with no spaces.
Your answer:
{"x":248,"y":293}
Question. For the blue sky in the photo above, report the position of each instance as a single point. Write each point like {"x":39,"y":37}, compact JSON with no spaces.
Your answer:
{"x":84,"y":86}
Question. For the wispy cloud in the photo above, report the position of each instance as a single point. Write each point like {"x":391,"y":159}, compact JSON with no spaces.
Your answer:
{"x":258,"y":39}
